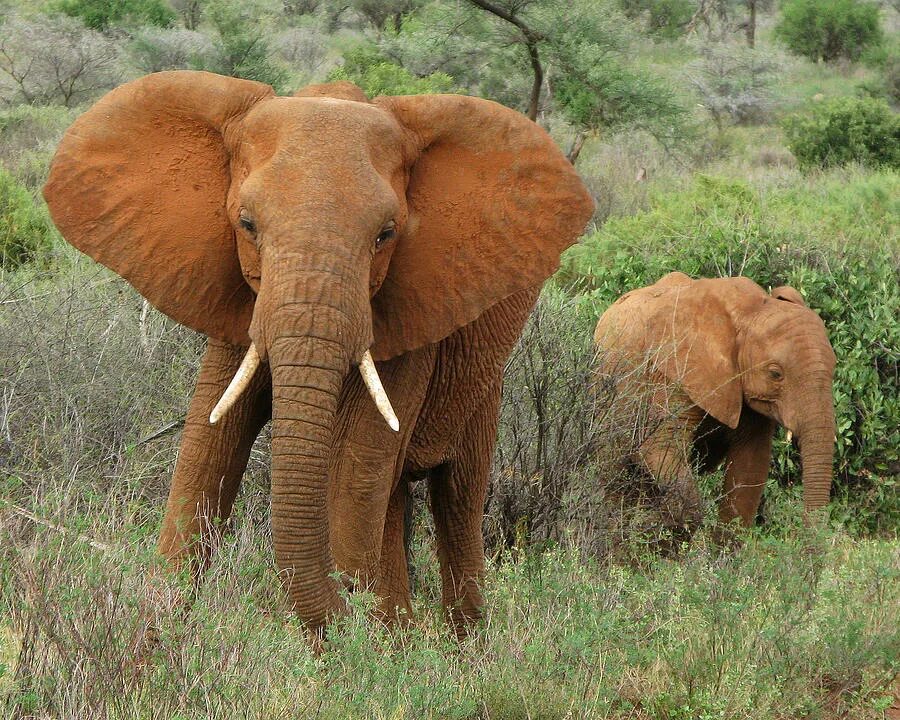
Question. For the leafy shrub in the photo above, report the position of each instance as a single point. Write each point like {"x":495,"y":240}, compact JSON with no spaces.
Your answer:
{"x":377,"y":75}
{"x":101,"y":14}
{"x":829,"y":29}
{"x":25,"y":230}
{"x":843,"y":130}
{"x":832,"y":240}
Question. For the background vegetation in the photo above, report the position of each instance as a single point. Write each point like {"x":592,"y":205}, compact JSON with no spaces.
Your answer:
{"x":718,"y":137}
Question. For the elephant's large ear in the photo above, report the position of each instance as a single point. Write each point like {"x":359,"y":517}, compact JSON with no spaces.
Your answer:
{"x":492,"y":203}
{"x":139,"y":183}
{"x":699,"y":348}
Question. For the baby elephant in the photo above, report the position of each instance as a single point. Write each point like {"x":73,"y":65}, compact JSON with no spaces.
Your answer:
{"x":721,"y":362}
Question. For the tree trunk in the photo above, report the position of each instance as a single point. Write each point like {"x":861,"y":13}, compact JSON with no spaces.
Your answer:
{"x":577,"y":144}
{"x":751,"y":24}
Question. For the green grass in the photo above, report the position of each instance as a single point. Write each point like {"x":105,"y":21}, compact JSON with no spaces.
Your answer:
{"x":800,"y":624}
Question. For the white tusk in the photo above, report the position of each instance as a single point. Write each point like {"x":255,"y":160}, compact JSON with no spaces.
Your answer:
{"x":376,"y":390}
{"x":238,"y":384}
{"x":789,"y":436}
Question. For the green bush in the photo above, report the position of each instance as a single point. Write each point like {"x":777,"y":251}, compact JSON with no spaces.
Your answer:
{"x":377,"y":75}
{"x":25,"y":230}
{"x":843,"y":130}
{"x":101,"y":14}
{"x":835,"y":241}
{"x":829,"y":29}
{"x":243,"y":48}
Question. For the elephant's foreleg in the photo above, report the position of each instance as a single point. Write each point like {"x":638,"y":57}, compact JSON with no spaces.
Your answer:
{"x":212,"y":458}
{"x":457,"y":490}
{"x":367,"y":461}
{"x":746,"y":467}
{"x":666,"y":456}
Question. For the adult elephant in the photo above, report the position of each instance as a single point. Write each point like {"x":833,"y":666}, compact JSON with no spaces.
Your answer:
{"x":324,"y":232}
{"x":722,"y":362}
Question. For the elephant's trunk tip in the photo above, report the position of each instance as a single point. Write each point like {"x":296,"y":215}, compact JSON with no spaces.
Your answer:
{"x":238,"y":385}
{"x":377,"y":391}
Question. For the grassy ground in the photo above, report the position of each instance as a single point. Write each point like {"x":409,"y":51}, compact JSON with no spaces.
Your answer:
{"x":800,"y":624}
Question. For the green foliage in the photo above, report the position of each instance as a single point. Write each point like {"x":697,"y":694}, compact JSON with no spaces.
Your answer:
{"x":665,"y":18}
{"x":243,"y":42}
{"x":377,"y":75}
{"x":102,"y":14}
{"x":829,"y":29}
{"x":835,"y":241}
{"x":25,"y":230}
{"x":843,"y":130}
{"x":599,"y":86}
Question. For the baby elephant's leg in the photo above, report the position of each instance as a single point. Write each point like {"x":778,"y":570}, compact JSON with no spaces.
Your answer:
{"x":666,"y":456}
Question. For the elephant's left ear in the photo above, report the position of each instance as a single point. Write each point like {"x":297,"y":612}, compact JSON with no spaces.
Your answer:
{"x":789,"y":294}
{"x":492,"y":203}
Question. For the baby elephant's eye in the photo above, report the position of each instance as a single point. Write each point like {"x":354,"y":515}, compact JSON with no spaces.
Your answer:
{"x":387,"y":234}
{"x":246,"y":221}
{"x":775,"y":372}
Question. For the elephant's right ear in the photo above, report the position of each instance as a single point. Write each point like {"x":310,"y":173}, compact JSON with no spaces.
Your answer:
{"x":696,"y":346}
{"x":139,"y":183}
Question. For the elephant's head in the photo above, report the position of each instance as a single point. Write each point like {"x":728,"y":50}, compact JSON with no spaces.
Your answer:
{"x":324,"y":229}
{"x":740,"y":346}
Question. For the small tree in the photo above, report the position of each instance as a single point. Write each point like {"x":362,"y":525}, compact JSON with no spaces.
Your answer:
{"x":829,"y":29}
{"x":734,"y":83}
{"x":304,"y":49}
{"x":55,"y":60}
{"x":244,"y":42}
{"x":191,"y":12}
{"x":666,"y":18}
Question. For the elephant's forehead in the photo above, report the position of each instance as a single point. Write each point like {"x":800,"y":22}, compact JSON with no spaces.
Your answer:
{"x":338,"y":122}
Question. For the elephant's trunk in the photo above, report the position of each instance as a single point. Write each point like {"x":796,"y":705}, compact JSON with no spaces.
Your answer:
{"x":312,"y":327}
{"x":816,"y":437}
{"x":307,"y":373}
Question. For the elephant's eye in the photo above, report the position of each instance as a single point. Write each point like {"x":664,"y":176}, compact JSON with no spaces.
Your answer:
{"x":775,"y":373}
{"x":385,"y":235}
{"x":246,"y":221}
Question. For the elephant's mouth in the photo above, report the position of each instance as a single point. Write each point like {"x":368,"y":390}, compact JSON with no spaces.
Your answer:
{"x":251,"y":362}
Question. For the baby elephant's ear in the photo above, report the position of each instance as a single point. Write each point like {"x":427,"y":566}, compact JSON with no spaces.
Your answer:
{"x":789,"y":294}
{"x":492,"y":203}
{"x":139,"y":183}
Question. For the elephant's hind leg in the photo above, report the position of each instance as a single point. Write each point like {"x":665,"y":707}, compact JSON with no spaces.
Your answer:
{"x":212,"y":458}
{"x":457,"y":489}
